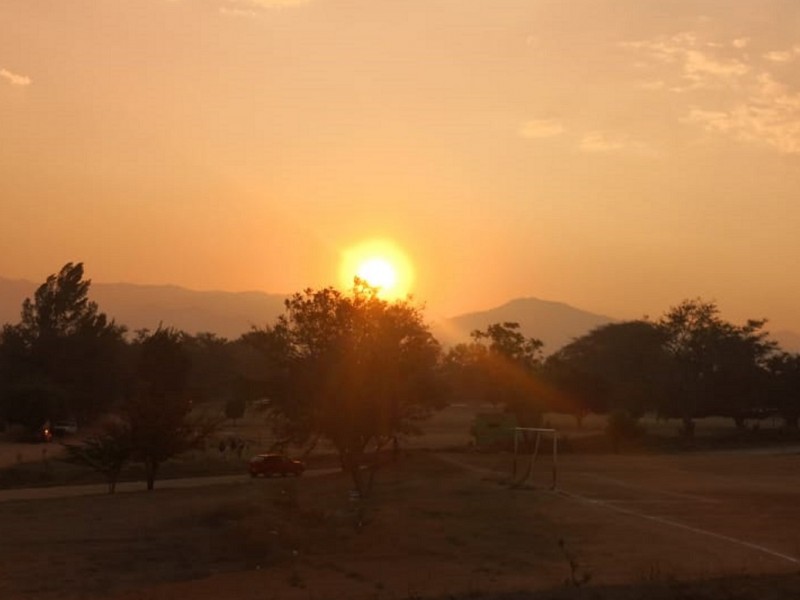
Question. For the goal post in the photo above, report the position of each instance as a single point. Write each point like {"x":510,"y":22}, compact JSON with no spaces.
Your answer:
{"x":540,"y":433}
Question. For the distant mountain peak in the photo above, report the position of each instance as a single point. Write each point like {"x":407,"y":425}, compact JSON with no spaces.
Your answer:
{"x":555,"y":323}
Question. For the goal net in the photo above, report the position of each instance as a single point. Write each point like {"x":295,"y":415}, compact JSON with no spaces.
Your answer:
{"x":530,"y":444}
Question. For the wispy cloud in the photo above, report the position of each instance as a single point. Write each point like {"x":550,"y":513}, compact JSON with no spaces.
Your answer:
{"x":779,"y":56}
{"x":14,"y":78}
{"x":769,"y":117}
{"x":268,"y":3}
{"x":783,"y":56}
{"x":237,"y":12}
{"x":698,"y":63}
{"x":599,"y":142}
{"x":749,"y":103}
{"x":541,"y":128}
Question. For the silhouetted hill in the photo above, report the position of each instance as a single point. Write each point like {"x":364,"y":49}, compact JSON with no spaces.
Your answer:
{"x":229,"y":314}
{"x":555,"y":323}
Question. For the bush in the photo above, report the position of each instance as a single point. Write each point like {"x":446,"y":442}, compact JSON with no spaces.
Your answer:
{"x":623,"y":427}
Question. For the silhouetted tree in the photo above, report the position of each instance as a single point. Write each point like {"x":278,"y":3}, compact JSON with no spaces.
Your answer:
{"x":212,"y":375}
{"x":359,"y":371}
{"x":619,"y":366}
{"x":503,"y":367}
{"x":783,"y":390}
{"x":64,"y":343}
{"x":158,"y":412}
{"x":107,"y":452}
{"x":716,"y":367}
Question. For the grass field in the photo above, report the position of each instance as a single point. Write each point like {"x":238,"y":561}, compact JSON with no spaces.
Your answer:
{"x":440,"y":524}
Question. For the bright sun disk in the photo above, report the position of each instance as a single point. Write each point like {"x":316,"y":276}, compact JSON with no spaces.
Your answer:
{"x":378,"y":273}
{"x":381,"y":264}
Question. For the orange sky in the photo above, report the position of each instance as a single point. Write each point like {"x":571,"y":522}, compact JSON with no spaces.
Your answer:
{"x":617,"y":155}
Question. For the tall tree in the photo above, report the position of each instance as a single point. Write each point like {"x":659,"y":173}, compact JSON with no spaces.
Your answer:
{"x":717,"y":367}
{"x":619,"y":366}
{"x":784,"y":387}
{"x":503,"y":367}
{"x":157,"y":415}
{"x":358,"y":370}
{"x":64,"y":343}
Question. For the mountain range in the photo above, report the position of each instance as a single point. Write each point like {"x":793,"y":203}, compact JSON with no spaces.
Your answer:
{"x":230,"y":314}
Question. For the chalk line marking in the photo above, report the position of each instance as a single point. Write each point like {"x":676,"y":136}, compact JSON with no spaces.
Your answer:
{"x":632,"y":513}
{"x":678,"y":525}
{"x":643,"y":488}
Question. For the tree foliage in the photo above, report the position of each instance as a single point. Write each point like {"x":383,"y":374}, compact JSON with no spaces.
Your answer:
{"x":716,"y":367}
{"x":356,"y":369}
{"x":619,"y":366}
{"x":64,"y":343}
{"x":502,"y":367}
{"x":157,"y":414}
{"x":107,"y":452}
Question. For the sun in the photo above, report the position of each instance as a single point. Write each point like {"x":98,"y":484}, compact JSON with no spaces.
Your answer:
{"x":379,"y":273}
{"x":381,"y":264}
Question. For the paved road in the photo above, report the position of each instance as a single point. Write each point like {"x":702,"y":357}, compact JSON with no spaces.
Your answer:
{"x":69,"y":491}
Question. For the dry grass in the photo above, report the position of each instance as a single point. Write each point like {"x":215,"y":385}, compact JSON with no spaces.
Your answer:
{"x":431,"y":529}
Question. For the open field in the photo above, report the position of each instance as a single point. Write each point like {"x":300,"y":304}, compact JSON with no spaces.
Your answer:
{"x":701,"y":525}
{"x":438,"y":524}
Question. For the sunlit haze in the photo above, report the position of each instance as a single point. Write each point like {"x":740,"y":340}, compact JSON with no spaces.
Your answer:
{"x":617,"y":155}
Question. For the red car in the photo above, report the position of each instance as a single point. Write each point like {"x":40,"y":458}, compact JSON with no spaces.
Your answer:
{"x":275,"y":464}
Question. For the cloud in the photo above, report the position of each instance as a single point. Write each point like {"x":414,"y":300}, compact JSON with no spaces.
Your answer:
{"x":783,"y":56}
{"x":252,"y":8}
{"x":769,"y":117}
{"x":780,"y":56}
{"x":237,"y":12}
{"x":704,"y":70}
{"x":697,"y":65}
{"x":541,"y":128}
{"x":597,"y":141}
{"x":269,"y":3}
{"x":14,"y":79}
{"x":749,"y":103}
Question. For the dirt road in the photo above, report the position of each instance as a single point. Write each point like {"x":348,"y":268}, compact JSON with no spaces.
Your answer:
{"x":70,"y":491}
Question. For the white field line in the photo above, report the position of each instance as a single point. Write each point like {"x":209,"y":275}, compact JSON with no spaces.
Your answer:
{"x":633,"y":486}
{"x":677,"y":525}
{"x":631,"y":513}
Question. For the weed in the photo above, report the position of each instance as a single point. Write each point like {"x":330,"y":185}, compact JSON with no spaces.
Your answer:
{"x":655,"y":574}
{"x":578,"y":575}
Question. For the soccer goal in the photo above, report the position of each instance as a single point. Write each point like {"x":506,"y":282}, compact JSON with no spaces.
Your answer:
{"x":527,"y":443}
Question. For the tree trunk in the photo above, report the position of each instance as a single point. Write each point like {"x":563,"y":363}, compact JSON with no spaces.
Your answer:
{"x":688,"y":427}
{"x":579,"y":419}
{"x":151,"y":467}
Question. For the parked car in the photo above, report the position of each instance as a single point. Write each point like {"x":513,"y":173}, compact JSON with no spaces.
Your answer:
{"x":275,"y":464}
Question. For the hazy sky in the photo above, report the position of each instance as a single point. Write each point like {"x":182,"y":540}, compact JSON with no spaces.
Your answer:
{"x":618,"y":155}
